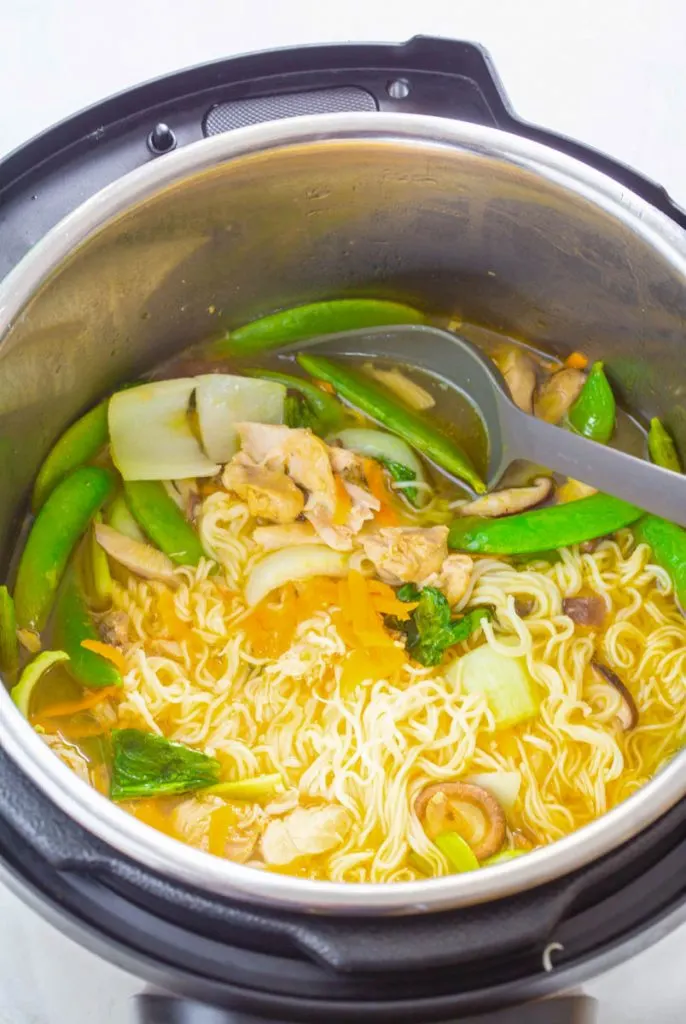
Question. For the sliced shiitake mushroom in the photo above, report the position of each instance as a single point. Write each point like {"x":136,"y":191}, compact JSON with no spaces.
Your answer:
{"x":518,"y":369}
{"x":628,"y":714}
{"x":585,"y":611}
{"x":466,"y":809}
{"x":509,"y":501}
{"x":557,"y":394}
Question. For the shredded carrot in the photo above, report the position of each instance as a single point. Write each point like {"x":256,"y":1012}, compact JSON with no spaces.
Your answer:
{"x":376,"y":481}
{"x":324,"y":385}
{"x":576,"y":361}
{"x":150,"y":813}
{"x":72,"y":707}
{"x":175,"y":627}
{"x":270,"y":632}
{"x":107,"y":651}
{"x":384,"y":600}
{"x":343,"y":503}
{"x":375,"y":663}
{"x":221,"y":820}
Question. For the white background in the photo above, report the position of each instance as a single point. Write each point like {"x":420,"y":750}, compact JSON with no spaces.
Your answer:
{"x":611,"y":73}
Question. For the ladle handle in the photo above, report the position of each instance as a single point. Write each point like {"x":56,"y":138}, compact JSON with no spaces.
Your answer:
{"x":643,"y":484}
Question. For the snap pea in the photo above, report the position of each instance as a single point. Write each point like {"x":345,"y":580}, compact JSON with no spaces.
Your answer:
{"x":327,"y":412}
{"x":120,"y":519}
{"x":58,"y":526}
{"x":79,"y":443}
{"x":9,"y":645}
{"x":668,"y":544}
{"x":308,"y":321}
{"x":22,"y":693}
{"x":661,"y":447}
{"x":100,"y":577}
{"x":556,"y":526}
{"x":594,"y":412}
{"x":72,"y":625}
{"x":377,"y":403}
{"x":163,"y":521}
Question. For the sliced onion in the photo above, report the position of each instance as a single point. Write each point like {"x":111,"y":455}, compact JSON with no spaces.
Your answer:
{"x":222,"y":399}
{"x":504,"y":786}
{"x":150,"y":433}
{"x":289,"y":564}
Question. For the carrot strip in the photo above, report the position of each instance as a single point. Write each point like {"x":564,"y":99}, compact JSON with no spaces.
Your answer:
{"x":576,"y":361}
{"x":376,"y":481}
{"x":221,"y":821}
{"x":72,"y":707}
{"x":106,"y":651}
{"x":343,"y":503}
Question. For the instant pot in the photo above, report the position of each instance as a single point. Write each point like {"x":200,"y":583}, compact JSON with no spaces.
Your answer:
{"x":196,"y":202}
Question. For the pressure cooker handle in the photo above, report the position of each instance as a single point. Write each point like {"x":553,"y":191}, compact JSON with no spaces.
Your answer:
{"x":163,"y":1009}
{"x":426,"y":75}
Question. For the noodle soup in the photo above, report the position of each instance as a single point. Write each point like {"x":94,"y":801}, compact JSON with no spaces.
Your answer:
{"x":280,"y":633}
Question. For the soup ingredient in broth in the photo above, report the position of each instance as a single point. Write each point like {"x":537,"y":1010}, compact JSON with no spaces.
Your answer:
{"x":504,"y":681}
{"x":163,"y":522}
{"x":555,"y":395}
{"x":413,"y":428}
{"x":30,"y":677}
{"x":393,"y":453}
{"x":457,"y":852}
{"x":519,"y":371}
{"x":141,"y":559}
{"x":430,"y":629}
{"x":661,"y":446}
{"x":317,"y":318}
{"x":461,"y":807}
{"x":402,"y":386}
{"x":510,"y":500}
{"x":289,"y":564}
{"x":9,"y":645}
{"x":594,"y":412}
{"x":145,"y":765}
{"x":309,"y":406}
{"x":223,"y":399}
{"x":261,"y":787}
{"x":556,"y":526}
{"x":59,"y":525}
{"x":151,"y":434}
{"x":97,"y":571}
{"x":72,"y":625}
{"x":118,"y":516}
{"x":79,"y":444}
{"x":668,"y":545}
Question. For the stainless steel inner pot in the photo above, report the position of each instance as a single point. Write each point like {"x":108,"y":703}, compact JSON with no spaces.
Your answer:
{"x":456,"y":217}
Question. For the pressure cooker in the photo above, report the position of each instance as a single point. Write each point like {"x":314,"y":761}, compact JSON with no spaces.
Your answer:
{"x":187,"y":205}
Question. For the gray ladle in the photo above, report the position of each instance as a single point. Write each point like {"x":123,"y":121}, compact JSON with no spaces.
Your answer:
{"x":514,"y":434}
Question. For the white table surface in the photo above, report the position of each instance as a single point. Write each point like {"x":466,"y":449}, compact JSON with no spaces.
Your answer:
{"x":611,"y":73}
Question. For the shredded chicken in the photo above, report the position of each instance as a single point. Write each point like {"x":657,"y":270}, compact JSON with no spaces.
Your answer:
{"x":264,"y":442}
{"x":268,"y":493}
{"x":453,"y":578}
{"x":271,"y":538}
{"x":406,"y":554}
{"x":346,"y":464}
{"x":304,"y":832}
{"x":68,"y":754}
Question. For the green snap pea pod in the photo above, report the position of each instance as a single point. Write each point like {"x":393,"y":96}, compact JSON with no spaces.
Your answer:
{"x":661,"y":447}
{"x":668,"y":544}
{"x":100,"y":582}
{"x":62,"y":520}
{"x":543,"y":528}
{"x":594,"y":412}
{"x":162,"y":521}
{"x":326,"y":410}
{"x":315,"y":318}
{"x":79,"y":443}
{"x":28,"y":680}
{"x":9,"y":645}
{"x":72,"y":624}
{"x":377,"y":403}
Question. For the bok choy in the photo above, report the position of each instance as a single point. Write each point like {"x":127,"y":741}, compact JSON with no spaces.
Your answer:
{"x":146,"y":765}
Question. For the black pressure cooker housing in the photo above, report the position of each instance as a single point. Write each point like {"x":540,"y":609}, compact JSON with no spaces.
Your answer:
{"x":235,"y":962}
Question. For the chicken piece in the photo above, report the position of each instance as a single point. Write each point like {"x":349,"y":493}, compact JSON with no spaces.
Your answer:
{"x":264,"y":442}
{"x":364,"y":506}
{"x":271,"y":538}
{"x":407,"y":554}
{"x":346,"y":464}
{"x":453,"y":578}
{"x":268,"y":493}
{"x":304,"y":832}
{"x":113,"y":629}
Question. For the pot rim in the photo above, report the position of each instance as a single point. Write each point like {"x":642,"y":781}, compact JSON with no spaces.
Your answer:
{"x":168,"y":856}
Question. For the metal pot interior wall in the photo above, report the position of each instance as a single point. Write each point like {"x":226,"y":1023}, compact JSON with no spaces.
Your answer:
{"x":465,"y":233}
